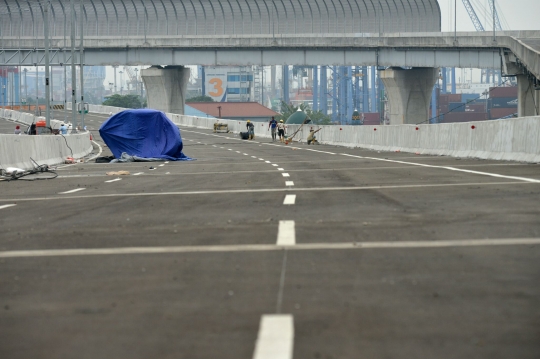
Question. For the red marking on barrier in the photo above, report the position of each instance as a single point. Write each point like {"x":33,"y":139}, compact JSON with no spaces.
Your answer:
{"x":91,"y":139}
{"x":374,"y":129}
{"x":473,"y":127}
{"x":417,"y":129}
{"x":340,"y":129}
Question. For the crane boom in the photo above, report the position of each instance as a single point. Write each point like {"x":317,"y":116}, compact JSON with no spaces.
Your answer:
{"x":472,"y":14}
{"x":493,"y":9}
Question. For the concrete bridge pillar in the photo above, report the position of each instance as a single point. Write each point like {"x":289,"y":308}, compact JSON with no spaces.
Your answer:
{"x":528,"y":97}
{"x":409,"y":93}
{"x":166,"y":87}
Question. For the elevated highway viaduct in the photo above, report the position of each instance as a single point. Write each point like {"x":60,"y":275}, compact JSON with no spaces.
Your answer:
{"x":352,"y":253}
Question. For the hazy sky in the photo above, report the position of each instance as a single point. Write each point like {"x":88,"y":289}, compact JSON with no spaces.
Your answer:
{"x":514,"y":14}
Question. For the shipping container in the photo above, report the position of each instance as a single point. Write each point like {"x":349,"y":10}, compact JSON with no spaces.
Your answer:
{"x":465,"y":117}
{"x":503,"y":102}
{"x":475,"y":108}
{"x":498,"y":92}
{"x":468,"y":97}
{"x":456,"y":107}
{"x":496,"y":113}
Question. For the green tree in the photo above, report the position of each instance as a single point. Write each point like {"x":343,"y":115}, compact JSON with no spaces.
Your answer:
{"x":200,"y":99}
{"x":125,"y":101}
{"x":317,"y":117}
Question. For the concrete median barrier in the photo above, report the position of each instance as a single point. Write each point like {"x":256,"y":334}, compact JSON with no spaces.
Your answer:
{"x":19,"y":150}
{"x":515,"y":139}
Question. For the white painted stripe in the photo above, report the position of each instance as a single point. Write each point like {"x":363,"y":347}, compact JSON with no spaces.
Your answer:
{"x":166,"y":161}
{"x":286,"y":234}
{"x":261,"y":159}
{"x":114,"y":180}
{"x":285,"y":175}
{"x":214,"y":146}
{"x":72,"y":191}
{"x":7,"y":206}
{"x":222,"y":147}
{"x":267,"y":161}
{"x":230,"y":149}
{"x":289,"y":183}
{"x":531,"y":180}
{"x":273,"y":164}
{"x":253,"y":156}
{"x":289,"y":199}
{"x":245,"y":154}
{"x":270,"y":247}
{"x":267,"y":190}
{"x":138,"y":173}
{"x":308,"y":149}
{"x":281,"y":169}
{"x":237,"y":151}
{"x":276,"y":337}
{"x":161,"y":165}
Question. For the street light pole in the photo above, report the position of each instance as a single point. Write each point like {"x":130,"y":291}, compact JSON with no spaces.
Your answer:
{"x":81,"y":49}
{"x":47,"y":91}
{"x":73,"y":73}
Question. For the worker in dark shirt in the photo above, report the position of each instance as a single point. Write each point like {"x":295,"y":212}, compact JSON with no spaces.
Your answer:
{"x":251,"y":129}
{"x":272,"y":125}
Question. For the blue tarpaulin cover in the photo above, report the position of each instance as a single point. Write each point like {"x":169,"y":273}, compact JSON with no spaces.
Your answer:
{"x":143,"y":133}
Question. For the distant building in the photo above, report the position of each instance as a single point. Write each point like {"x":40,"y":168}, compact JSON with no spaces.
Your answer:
{"x":228,"y":84}
{"x":240,"y":111}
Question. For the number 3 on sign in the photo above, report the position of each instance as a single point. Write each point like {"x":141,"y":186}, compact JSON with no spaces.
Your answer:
{"x":218,"y":87}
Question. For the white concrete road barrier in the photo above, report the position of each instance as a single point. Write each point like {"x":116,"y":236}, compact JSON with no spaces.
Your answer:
{"x":18,"y":150}
{"x":515,"y":139}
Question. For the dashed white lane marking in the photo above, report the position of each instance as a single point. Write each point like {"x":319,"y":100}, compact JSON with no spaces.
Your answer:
{"x":285,"y":175}
{"x":161,"y":165}
{"x":289,"y":199}
{"x":237,"y":151}
{"x":214,"y":146}
{"x":114,"y":180}
{"x":245,"y":154}
{"x":166,"y":162}
{"x":273,"y":164}
{"x":531,"y":180}
{"x":138,"y":173}
{"x":267,"y":162}
{"x":7,"y":206}
{"x":72,"y":191}
{"x":289,"y":183}
{"x":276,"y":337}
{"x":253,"y":156}
{"x":230,"y":149}
{"x":270,"y":247}
{"x":281,"y":169}
{"x":222,"y":147}
{"x":286,"y":234}
{"x":261,"y":159}
{"x":308,"y":149}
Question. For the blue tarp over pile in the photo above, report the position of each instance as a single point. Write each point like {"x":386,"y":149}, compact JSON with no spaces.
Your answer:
{"x":143,"y":133}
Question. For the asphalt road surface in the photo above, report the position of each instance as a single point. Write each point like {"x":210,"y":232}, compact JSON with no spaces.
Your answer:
{"x":262,"y":250}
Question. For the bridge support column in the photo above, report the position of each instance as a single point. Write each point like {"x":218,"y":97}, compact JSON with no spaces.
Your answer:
{"x":409,"y":93}
{"x":166,"y":88}
{"x":528,"y":97}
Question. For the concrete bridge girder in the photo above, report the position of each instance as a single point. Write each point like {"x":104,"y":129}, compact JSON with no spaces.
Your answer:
{"x":409,"y":93}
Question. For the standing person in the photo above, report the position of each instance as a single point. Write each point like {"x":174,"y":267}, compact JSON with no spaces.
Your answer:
{"x":17,"y":130}
{"x":273,"y":125}
{"x":33,"y":129}
{"x":281,"y":131}
{"x":251,"y":129}
{"x":63,"y":129}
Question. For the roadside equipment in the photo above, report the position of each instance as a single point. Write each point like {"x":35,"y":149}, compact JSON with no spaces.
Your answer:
{"x":221,"y":127}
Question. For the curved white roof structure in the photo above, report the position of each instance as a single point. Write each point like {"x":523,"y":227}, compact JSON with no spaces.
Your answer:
{"x":222,"y":17}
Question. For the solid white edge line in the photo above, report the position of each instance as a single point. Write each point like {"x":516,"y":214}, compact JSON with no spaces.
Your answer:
{"x":267,"y":190}
{"x":72,"y":191}
{"x":289,"y":199}
{"x":7,"y":206}
{"x":270,"y":247}
{"x":275,"y":339}
{"x":286,"y":234}
{"x":524,"y":179}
